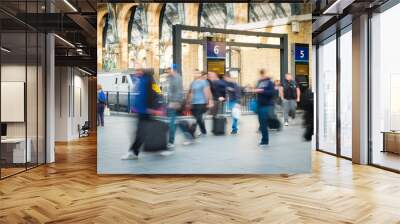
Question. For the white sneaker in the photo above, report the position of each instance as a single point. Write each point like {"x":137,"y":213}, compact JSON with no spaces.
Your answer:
{"x":170,"y":145}
{"x":166,"y":153}
{"x":286,"y":123}
{"x":188,"y":142}
{"x":129,"y":156}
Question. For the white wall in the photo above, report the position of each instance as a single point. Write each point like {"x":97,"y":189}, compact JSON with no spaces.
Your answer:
{"x":71,"y":102}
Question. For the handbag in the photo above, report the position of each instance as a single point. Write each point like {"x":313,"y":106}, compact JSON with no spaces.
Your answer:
{"x":236,"y":112}
{"x":107,"y":111}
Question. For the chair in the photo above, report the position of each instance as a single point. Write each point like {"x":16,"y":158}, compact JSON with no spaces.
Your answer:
{"x":84,"y":130}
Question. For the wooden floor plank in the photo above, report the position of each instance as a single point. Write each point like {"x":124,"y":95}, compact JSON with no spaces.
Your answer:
{"x":70,"y":191}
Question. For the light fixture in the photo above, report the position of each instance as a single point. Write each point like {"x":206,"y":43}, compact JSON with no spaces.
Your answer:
{"x":338,"y":6}
{"x":64,"y":40}
{"x":5,"y":50}
{"x":86,"y":72}
{"x":70,"y":5}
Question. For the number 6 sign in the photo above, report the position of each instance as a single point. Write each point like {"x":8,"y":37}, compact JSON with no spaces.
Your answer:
{"x":216,"y":49}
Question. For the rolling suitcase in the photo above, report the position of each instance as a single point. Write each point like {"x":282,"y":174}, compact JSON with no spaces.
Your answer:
{"x":274,"y":123}
{"x":156,"y":136}
{"x":219,"y":122}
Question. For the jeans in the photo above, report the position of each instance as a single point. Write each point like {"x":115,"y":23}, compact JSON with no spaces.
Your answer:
{"x":140,"y":133}
{"x":235,"y":121}
{"x":289,"y":108}
{"x":263,"y":114}
{"x":171,"y":113}
{"x":198,"y":110}
{"x":100,"y":113}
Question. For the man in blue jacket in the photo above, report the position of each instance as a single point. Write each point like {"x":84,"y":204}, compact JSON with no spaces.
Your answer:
{"x":144,"y":102}
{"x":265,"y":101}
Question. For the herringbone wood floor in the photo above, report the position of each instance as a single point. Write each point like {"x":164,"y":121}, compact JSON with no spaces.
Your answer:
{"x":69,"y":191}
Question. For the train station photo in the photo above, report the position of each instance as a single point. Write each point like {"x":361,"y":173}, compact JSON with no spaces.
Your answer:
{"x":220,"y":69}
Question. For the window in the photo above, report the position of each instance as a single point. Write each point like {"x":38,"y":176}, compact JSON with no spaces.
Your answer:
{"x":137,"y":34}
{"x":269,"y":11}
{"x":173,"y":13}
{"x":116,"y":81}
{"x":346,"y":92}
{"x":327,"y":95}
{"x":385,"y":89}
{"x":124,"y":79}
{"x":111,"y":39}
{"x":216,"y":15}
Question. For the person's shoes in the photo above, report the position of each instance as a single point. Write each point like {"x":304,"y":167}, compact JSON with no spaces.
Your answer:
{"x":166,"y":153}
{"x":201,"y":135}
{"x":234,"y":132}
{"x":188,"y":142}
{"x":263,"y":145}
{"x":129,"y":156}
{"x":170,"y":145}
{"x":286,"y":123}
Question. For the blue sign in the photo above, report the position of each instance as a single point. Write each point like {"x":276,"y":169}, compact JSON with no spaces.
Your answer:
{"x":216,"y":50}
{"x":301,"y":54}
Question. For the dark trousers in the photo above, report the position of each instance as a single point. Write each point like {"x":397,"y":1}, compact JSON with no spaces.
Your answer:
{"x":100,"y":113}
{"x":140,"y":133}
{"x":198,"y":110}
{"x":263,"y":115}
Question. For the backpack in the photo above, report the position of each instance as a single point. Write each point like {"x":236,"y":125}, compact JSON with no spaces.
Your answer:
{"x":289,"y":90}
{"x":101,"y":97}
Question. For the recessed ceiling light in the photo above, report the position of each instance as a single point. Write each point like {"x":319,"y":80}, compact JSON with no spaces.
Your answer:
{"x":5,"y":50}
{"x":70,"y":5}
{"x":64,"y":40}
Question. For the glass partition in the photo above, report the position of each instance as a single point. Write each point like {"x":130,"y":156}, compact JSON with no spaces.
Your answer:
{"x":346,"y":93}
{"x":327,"y":95}
{"x":385,"y":88}
{"x":22,"y":77}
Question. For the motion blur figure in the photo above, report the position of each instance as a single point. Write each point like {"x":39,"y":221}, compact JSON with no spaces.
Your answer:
{"x":265,"y":102}
{"x":101,"y":104}
{"x":218,"y":90}
{"x":234,"y":93}
{"x":144,"y":100}
{"x":290,"y":94}
{"x":200,"y":99}
{"x":174,"y":101}
{"x":308,"y":106}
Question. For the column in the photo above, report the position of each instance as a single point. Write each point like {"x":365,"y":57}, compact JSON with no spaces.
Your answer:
{"x":360,"y":90}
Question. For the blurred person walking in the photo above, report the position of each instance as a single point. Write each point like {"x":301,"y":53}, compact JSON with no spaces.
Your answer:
{"x":145,"y":100}
{"x":101,"y":105}
{"x":290,"y":94}
{"x":308,"y":106}
{"x":200,"y":99}
{"x":218,"y":90}
{"x":234,"y":94}
{"x":174,"y":101}
{"x":265,"y":102}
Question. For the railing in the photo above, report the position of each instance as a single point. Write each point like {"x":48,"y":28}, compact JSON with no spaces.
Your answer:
{"x":119,"y":101}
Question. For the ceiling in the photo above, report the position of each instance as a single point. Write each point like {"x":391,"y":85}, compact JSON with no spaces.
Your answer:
{"x":74,"y":21}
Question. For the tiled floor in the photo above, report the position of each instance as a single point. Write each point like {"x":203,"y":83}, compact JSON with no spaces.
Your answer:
{"x":240,"y":154}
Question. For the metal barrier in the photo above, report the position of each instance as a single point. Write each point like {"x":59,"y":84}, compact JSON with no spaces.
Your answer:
{"x":119,"y":101}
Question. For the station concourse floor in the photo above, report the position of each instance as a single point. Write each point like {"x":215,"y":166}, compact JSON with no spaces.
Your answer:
{"x":229,"y":154}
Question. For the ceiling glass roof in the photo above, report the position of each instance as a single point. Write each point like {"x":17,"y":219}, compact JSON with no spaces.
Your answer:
{"x":110,"y":25}
{"x":138,"y":25}
{"x":269,"y":11}
{"x":174,"y":13}
{"x":216,"y":15}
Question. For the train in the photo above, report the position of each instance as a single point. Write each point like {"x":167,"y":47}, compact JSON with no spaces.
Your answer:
{"x":120,"y":88}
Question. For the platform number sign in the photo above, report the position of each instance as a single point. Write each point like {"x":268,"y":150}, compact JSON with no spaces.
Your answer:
{"x":216,"y":50}
{"x":301,"y":53}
